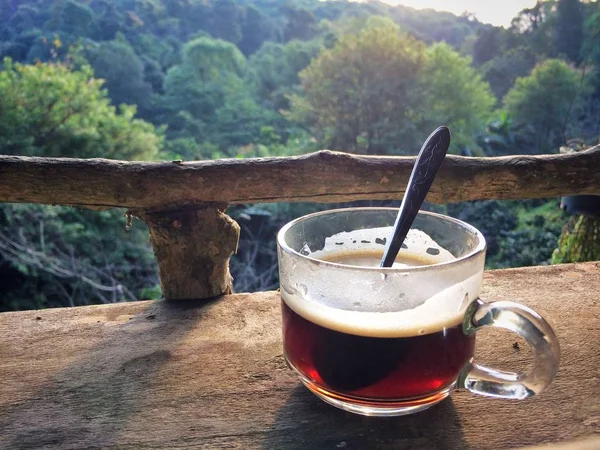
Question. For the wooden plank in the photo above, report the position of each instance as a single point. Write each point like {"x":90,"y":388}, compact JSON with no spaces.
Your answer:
{"x":211,"y":375}
{"x":585,"y":444}
{"x":324,"y":176}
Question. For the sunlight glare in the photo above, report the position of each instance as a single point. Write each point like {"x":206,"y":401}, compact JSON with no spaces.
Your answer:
{"x":496,"y":13}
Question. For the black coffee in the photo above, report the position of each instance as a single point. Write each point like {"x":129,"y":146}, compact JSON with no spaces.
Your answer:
{"x":358,"y":363}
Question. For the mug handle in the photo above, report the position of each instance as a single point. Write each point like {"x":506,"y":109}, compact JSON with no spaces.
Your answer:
{"x":531,"y":327}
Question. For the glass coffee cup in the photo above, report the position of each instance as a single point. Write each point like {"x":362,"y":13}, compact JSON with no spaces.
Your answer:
{"x":394,"y":341}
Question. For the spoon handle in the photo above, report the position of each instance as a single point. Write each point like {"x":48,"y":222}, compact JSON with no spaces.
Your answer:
{"x":428,"y":163}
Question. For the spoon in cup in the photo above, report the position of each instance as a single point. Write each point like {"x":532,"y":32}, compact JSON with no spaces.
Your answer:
{"x":426,"y":167}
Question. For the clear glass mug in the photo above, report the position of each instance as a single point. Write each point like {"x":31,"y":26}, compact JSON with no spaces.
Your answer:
{"x":394,"y":341}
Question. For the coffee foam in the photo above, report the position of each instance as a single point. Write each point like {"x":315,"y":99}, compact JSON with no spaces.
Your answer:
{"x":417,"y":244}
{"x":443,"y":310}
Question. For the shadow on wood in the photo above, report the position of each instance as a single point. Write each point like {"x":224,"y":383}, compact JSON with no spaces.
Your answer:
{"x":86,"y":402}
{"x":325,"y":427}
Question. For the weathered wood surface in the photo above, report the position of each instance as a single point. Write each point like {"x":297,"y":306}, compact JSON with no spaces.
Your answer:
{"x":211,"y":375}
{"x":584,"y":444}
{"x":193,"y":248}
{"x":319,"y":177}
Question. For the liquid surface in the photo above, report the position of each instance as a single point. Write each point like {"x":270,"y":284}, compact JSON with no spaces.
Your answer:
{"x":373,"y":259}
{"x":371,"y":367}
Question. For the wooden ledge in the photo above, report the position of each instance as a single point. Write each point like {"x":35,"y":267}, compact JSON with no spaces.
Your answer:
{"x":211,"y":375}
{"x":323,"y":176}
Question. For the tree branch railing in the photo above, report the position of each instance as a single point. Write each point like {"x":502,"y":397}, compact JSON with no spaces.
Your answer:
{"x":184,"y":203}
{"x":323,"y":176}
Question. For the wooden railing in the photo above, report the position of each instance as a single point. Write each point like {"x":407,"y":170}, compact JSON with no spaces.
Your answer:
{"x":184,"y":203}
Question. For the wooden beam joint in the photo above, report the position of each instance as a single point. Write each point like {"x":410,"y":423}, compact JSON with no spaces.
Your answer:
{"x":193,"y":247}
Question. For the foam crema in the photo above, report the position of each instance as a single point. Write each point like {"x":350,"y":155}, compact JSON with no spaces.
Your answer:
{"x":444,"y":310}
{"x":370,"y":304}
{"x":417,"y":245}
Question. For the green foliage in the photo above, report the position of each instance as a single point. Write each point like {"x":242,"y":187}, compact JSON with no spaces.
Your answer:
{"x":488,"y":44}
{"x":380,"y":91}
{"x":225,"y":21}
{"x":533,"y":28}
{"x":543,"y":101}
{"x":534,"y":240}
{"x":361,"y":93}
{"x":438,"y":27}
{"x":49,"y":110}
{"x":73,"y":18}
{"x":454,"y":94}
{"x":57,"y":256}
{"x":207,"y":99}
{"x":568,"y":29}
{"x":501,"y":137}
{"x":493,"y":218}
{"x":502,"y":71}
{"x":123,"y":72}
{"x":256,"y":30}
{"x":518,"y":233}
{"x":300,"y":23}
{"x":591,"y":48}
{"x":275,"y":69}
{"x":579,"y":241}
{"x":211,"y":58}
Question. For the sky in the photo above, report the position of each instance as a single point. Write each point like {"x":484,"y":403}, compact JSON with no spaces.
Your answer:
{"x":496,"y":12}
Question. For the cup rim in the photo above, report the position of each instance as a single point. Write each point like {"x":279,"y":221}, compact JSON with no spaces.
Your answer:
{"x":479,"y":248}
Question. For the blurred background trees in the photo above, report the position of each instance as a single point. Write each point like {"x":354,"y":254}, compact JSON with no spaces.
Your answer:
{"x":201,"y":79}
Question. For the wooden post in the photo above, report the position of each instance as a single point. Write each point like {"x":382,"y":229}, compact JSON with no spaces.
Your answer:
{"x":193,"y":247}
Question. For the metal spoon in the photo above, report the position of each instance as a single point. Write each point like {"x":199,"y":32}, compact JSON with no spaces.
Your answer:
{"x":426,"y":167}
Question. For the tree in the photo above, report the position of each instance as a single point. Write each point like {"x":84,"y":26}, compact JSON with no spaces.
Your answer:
{"x":591,"y":47}
{"x":543,"y":102}
{"x":454,"y":94}
{"x":493,"y":218}
{"x":207,"y":97}
{"x":73,"y":18}
{"x":501,"y":138}
{"x":226,"y":21}
{"x":255,"y":30}
{"x":62,"y":256}
{"x":380,"y":91}
{"x":123,"y":72}
{"x":487,"y":46}
{"x":361,"y":94}
{"x":534,"y":26}
{"x":529,"y":19}
{"x":25,"y":18}
{"x":503,"y":70}
{"x":300,"y":23}
{"x":579,"y":240}
{"x":275,"y":69}
{"x":568,"y":29}
{"x":110,"y":20}
{"x":48,"y":109}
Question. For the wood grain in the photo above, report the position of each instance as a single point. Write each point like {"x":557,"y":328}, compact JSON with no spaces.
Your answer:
{"x":211,"y":375}
{"x":324,"y":176}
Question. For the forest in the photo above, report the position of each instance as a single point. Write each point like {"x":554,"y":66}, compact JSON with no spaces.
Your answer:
{"x":205,"y":79}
